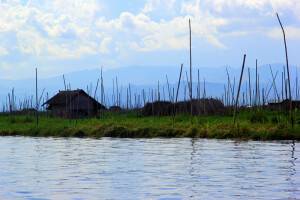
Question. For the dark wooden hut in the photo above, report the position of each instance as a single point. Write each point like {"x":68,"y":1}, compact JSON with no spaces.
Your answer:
{"x":284,"y":104}
{"x":73,"y":104}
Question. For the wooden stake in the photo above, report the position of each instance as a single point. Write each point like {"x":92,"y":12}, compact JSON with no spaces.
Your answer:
{"x":191,"y":91}
{"x":237,"y":98}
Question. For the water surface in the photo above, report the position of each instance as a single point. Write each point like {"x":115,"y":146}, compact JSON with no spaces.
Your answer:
{"x":107,"y":168}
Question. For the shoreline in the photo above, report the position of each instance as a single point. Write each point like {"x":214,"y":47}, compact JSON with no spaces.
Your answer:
{"x":121,"y":126}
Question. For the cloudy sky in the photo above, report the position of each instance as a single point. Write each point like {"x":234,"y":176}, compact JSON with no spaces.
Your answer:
{"x":60,"y":36}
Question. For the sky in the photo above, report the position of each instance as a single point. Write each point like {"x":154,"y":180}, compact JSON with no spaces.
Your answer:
{"x":61,"y":36}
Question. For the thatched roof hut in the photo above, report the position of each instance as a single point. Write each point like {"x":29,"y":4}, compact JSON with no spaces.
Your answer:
{"x":73,"y":104}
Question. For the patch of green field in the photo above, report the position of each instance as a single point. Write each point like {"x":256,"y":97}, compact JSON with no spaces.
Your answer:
{"x":259,"y":125}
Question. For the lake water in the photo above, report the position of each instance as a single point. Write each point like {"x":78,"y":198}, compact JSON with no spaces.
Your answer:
{"x":107,"y":168}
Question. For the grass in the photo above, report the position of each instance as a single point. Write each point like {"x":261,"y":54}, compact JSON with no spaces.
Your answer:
{"x":259,"y":125}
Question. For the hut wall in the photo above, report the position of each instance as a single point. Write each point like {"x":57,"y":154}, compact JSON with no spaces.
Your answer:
{"x":59,"y":111}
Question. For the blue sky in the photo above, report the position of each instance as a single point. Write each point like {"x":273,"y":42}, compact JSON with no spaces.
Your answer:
{"x":60,"y":36}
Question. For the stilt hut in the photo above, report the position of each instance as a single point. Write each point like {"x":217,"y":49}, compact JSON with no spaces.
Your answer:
{"x":73,"y":104}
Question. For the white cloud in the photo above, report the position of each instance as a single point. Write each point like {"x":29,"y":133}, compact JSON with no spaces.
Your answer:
{"x":264,"y":7}
{"x":103,"y":45}
{"x":71,"y":29}
{"x":144,"y":34}
{"x":58,"y":52}
{"x":3,"y":51}
{"x":153,"y":5}
{"x":5,"y":66}
{"x":291,"y":33}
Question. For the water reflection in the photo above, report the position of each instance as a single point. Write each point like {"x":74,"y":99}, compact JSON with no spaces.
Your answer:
{"x":108,"y":168}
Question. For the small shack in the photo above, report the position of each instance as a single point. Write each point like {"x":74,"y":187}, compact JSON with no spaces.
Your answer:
{"x":284,"y":104}
{"x":73,"y":104}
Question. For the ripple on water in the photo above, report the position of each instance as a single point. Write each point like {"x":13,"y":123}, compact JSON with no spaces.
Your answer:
{"x":111,"y":168}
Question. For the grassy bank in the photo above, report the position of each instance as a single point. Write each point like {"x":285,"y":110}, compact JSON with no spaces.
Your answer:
{"x":266,"y":125}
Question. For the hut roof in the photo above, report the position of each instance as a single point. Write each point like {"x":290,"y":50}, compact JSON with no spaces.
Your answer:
{"x":60,"y":98}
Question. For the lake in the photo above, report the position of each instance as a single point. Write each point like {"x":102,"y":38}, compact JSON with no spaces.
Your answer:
{"x":160,"y":168}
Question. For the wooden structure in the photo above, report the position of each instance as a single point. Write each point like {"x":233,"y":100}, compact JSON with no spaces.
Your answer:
{"x":73,"y":104}
{"x":284,"y":104}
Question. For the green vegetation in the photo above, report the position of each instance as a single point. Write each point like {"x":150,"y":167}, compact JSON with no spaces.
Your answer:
{"x":259,"y":125}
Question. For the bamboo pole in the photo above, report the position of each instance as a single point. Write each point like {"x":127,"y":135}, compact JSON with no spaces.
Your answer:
{"x":230,"y":86}
{"x":191,"y":91}
{"x":117,"y":91}
{"x":127,"y":105}
{"x":249,"y":86}
{"x":272,"y":85}
{"x":199,"y":98}
{"x":169,"y":92}
{"x":77,"y":107}
{"x":64,"y":82}
{"x":152,"y":105}
{"x":178,"y":90}
{"x":288,"y":71}
{"x":158,"y":97}
{"x":274,"y":81}
{"x":282,"y":88}
{"x":256,"y":88}
{"x":236,"y":102}
{"x":36,"y":95}
{"x":96,"y":88}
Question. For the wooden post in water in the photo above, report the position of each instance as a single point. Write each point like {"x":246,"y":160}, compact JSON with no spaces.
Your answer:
{"x":288,"y":71}
{"x":237,"y":98}
{"x":191,"y":91}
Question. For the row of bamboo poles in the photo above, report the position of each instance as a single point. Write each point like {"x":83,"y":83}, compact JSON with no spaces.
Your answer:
{"x":252,"y":97}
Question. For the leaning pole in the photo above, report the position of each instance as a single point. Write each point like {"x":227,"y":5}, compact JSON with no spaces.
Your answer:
{"x":237,"y":98}
{"x":288,"y":72}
